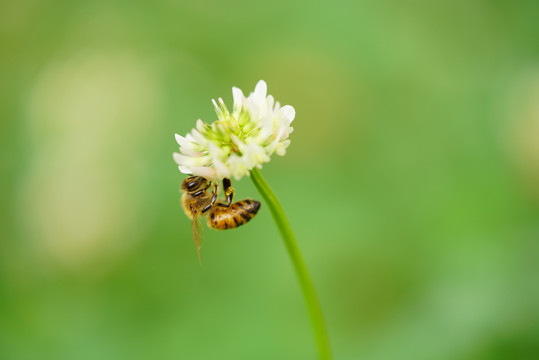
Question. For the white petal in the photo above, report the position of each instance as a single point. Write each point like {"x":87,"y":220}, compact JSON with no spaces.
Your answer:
{"x":259,"y":95}
{"x":191,"y":161}
{"x":284,"y":134}
{"x":281,"y":148}
{"x":185,"y":170}
{"x":179,"y":139}
{"x":239,"y":143}
{"x":204,"y":171}
{"x":258,"y":155}
{"x":273,"y":146}
{"x":270,"y":101}
{"x":199,"y":138}
{"x":200,"y":125}
{"x":177,"y":158}
{"x":190,"y":152}
{"x":261,"y":88}
{"x":237,"y":94}
{"x":187,"y":146}
{"x":222,"y":170}
{"x":288,"y":112}
{"x":240,"y":173}
{"x":237,"y":167}
{"x":215,"y":151}
{"x":266,"y":129}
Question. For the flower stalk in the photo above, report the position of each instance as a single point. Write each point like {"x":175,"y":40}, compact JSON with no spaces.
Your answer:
{"x":313,"y":306}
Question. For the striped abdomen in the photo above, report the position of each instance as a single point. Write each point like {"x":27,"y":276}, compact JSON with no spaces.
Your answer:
{"x":237,"y":214}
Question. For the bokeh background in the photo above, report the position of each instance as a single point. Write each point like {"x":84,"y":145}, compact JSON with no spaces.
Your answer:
{"x":412,"y":180}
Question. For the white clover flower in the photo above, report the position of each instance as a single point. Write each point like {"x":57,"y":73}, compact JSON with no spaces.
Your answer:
{"x":237,"y":142}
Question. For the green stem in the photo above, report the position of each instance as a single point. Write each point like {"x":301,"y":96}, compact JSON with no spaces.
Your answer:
{"x":307,"y":286}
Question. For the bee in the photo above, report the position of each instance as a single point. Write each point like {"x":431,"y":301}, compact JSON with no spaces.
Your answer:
{"x":198,"y":201}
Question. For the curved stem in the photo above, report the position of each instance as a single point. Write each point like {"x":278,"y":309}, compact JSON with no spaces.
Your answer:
{"x":306,"y":283}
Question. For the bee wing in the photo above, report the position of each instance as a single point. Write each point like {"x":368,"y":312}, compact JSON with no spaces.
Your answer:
{"x":196,"y":230}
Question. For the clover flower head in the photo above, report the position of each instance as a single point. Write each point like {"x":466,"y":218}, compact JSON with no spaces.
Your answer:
{"x":237,"y":141}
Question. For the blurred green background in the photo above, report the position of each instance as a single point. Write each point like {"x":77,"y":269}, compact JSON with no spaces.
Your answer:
{"x":412,"y":180}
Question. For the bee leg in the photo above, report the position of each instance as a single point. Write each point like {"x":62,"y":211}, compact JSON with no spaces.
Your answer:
{"x":201,"y":191}
{"x":213,"y":199}
{"x":229,"y":192}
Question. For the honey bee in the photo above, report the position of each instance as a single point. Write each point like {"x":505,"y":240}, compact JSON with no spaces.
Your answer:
{"x":198,"y":201}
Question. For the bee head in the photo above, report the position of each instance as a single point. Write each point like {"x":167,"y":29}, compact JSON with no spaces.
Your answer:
{"x":193,"y":184}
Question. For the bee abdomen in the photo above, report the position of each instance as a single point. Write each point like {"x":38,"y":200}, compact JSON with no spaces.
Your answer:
{"x":239,"y":213}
